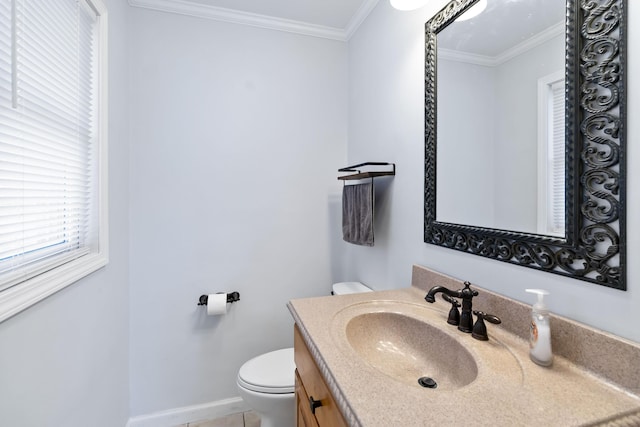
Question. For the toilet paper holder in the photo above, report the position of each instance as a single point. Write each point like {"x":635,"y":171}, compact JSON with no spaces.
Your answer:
{"x":231,"y":297}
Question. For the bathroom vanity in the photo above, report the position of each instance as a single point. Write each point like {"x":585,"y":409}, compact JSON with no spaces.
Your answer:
{"x":315,"y":405}
{"x":360,"y":357}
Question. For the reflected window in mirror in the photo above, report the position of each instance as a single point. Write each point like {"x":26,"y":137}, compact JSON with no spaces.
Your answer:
{"x":551,"y":155}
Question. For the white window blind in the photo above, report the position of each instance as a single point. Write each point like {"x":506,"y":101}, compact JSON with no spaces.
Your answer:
{"x":50,"y":135}
{"x":557,"y":158}
{"x":551,"y":154}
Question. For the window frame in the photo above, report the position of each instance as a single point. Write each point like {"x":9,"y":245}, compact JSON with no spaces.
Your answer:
{"x":25,"y":294}
{"x":545,"y":175}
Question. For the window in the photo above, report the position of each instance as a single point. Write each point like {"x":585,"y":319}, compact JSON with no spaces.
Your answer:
{"x":53,"y":223}
{"x":551,"y":155}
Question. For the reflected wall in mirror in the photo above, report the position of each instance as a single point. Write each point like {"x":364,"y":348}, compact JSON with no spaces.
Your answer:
{"x":524,"y":134}
{"x":490,"y":75}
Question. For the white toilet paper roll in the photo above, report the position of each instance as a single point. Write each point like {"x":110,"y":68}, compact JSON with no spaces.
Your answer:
{"x":216,"y":304}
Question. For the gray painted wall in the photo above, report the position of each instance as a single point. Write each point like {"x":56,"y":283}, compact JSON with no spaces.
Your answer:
{"x":237,"y":134}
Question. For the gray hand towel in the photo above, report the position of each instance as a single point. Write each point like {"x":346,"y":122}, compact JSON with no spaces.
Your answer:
{"x":357,"y":214}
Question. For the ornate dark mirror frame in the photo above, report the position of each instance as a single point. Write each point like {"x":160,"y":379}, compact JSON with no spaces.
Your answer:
{"x":594,"y":247}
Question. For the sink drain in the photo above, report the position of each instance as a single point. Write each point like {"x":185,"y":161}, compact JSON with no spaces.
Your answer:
{"x":427,"y":382}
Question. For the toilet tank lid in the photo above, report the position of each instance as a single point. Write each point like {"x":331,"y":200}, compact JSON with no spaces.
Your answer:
{"x":344,"y":288}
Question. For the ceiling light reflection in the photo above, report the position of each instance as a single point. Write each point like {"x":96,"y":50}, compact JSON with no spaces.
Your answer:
{"x":475,"y":10}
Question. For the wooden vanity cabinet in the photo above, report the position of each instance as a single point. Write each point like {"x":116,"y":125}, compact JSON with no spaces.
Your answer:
{"x":304,"y":417}
{"x":310,"y":387}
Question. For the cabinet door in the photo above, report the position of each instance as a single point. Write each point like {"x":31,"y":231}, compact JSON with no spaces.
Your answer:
{"x":304,"y":416}
{"x":327,"y":414}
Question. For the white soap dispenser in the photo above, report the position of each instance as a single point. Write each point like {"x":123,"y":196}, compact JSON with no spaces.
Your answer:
{"x":540,"y":334}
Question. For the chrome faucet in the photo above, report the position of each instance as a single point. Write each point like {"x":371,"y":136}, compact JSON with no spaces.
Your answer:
{"x":466,"y":294}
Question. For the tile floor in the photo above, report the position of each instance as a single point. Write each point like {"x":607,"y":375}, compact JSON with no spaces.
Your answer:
{"x":244,"y":419}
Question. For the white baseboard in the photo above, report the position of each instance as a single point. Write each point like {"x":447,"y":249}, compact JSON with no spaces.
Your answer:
{"x":175,"y":417}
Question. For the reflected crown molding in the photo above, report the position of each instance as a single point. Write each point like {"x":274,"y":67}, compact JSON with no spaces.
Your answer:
{"x":493,"y":61}
{"x":199,"y":10}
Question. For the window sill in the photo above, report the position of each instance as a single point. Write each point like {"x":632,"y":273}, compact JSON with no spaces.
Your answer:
{"x":24,"y":295}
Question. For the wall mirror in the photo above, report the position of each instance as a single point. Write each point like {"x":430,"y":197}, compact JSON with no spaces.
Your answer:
{"x":525,"y":134}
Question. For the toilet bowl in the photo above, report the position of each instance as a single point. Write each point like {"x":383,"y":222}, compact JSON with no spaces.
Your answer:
{"x":267,"y":382}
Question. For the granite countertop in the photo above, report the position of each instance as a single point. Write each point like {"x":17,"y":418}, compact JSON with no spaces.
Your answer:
{"x":509,"y":389}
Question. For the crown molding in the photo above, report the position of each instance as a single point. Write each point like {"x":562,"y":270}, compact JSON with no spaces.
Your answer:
{"x":467,"y":57}
{"x":493,"y":61}
{"x":185,"y":7}
{"x":538,"y":39}
{"x":358,"y":18}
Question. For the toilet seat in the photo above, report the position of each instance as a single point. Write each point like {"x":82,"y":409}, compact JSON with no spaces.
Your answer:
{"x":271,"y":373}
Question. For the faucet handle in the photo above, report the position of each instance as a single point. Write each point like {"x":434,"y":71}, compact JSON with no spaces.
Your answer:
{"x":479,"y":328}
{"x":468,"y":290}
{"x":454,"y":314}
{"x":450,"y":300}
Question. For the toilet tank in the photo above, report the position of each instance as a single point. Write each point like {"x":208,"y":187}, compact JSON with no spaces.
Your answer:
{"x":344,"y":288}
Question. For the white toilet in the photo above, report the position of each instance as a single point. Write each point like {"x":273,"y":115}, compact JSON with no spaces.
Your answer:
{"x":267,"y":382}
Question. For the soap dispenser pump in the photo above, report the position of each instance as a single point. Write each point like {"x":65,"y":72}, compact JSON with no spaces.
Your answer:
{"x":540,"y":331}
